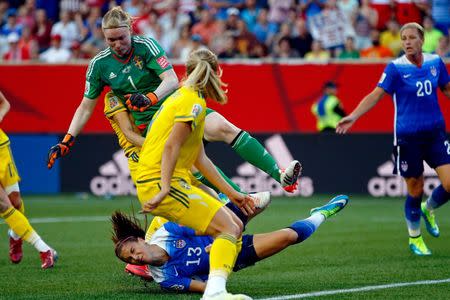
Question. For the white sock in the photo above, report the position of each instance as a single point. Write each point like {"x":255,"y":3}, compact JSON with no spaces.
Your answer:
{"x":216,"y":284}
{"x":38,"y":243}
{"x":13,"y":235}
{"x":316,"y":219}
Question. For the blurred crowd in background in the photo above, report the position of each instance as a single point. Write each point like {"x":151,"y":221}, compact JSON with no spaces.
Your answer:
{"x":68,"y":30}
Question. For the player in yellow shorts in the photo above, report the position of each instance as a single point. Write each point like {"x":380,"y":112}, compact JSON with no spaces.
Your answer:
{"x":172,"y":146}
{"x":11,"y":205}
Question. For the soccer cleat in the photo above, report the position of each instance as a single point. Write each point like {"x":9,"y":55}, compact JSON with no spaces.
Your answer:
{"x":334,"y":206}
{"x":226,"y":296}
{"x":48,"y":258}
{"x":15,"y":250}
{"x":418,"y":247}
{"x":140,"y":271}
{"x":261,"y":199}
{"x":430,"y":220}
{"x":290,"y":175}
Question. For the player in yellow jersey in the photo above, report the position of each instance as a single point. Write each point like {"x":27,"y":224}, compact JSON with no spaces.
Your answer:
{"x":11,"y":205}
{"x":172,"y":146}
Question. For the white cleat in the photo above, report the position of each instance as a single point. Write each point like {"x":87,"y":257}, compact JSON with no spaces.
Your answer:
{"x":290,"y":175}
{"x":226,"y":296}
{"x":261,"y":199}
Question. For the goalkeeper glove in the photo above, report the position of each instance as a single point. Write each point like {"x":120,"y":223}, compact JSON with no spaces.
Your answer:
{"x":60,"y":150}
{"x":140,"y":102}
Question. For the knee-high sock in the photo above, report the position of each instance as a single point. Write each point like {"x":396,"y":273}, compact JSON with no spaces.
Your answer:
{"x":305,"y":228}
{"x":253,"y":152}
{"x":412,"y":215}
{"x":437,"y":198}
{"x":222,"y":258}
{"x":205,"y":181}
{"x":20,"y":225}
{"x":10,"y":231}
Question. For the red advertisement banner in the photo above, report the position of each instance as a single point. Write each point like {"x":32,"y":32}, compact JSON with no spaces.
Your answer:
{"x":262,"y":97}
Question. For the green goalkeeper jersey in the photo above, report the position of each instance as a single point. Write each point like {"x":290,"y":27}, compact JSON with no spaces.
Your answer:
{"x":137,"y":73}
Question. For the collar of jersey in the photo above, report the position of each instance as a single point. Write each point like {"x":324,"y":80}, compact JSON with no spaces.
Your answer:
{"x":125,"y":59}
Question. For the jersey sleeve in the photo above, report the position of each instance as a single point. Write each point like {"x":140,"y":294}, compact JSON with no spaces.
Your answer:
{"x":388,"y":79}
{"x":178,"y":229}
{"x":157,"y":59}
{"x":178,"y":284}
{"x":113,"y":105}
{"x":94,"y":84}
{"x":443,"y":74}
{"x":189,"y":110}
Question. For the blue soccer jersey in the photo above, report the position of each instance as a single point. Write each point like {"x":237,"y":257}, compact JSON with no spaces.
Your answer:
{"x":414,"y":92}
{"x":188,"y":257}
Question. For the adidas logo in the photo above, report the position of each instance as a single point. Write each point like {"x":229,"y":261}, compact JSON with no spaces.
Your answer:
{"x":251,"y":178}
{"x":388,"y":184}
{"x":114,"y":178}
{"x":112,"y":75}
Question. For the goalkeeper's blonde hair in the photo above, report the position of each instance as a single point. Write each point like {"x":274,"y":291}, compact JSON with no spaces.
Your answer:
{"x":116,"y":18}
{"x":204,"y":75}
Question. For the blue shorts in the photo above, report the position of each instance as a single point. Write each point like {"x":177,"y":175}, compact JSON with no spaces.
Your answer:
{"x":410,"y":152}
{"x":247,"y":257}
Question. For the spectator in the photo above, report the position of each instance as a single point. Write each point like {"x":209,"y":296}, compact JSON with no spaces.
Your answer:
{"x":285,"y":32}
{"x":219,"y":7}
{"x":250,"y":14}
{"x":263,"y":29}
{"x":232,"y":20}
{"x":284,"y":49}
{"x":443,"y":48}
{"x":364,"y":21}
{"x":207,"y":27}
{"x":26,"y":14}
{"x":348,"y":7}
{"x":28,"y":43}
{"x":42,"y":30}
{"x":4,"y":6}
{"x":407,"y":11}
{"x":245,"y":40}
{"x":431,"y":34}
{"x":440,"y":13}
{"x":196,"y":43}
{"x":219,"y":41}
{"x":377,"y":50}
{"x":391,"y":37}
{"x":71,"y":6}
{"x":311,"y":7}
{"x":66,"y":29}
{"x":173,"y":20}
{"x":11,"y":24}
{"x":15,"y":53}
{"x":184,"y":41}
{"x":302,"y":39}
{"x":279,"y":10}
{"x":56,"y":53}
{"x":229,"y":50}
{"x":317,"y":52}
{"x":133,"y":7}
{"x":331,"y":27}
{"x":384,"y":11}
{"x":147,"y":24}
{"x":92,"y":45}
{"x":350,"y":51}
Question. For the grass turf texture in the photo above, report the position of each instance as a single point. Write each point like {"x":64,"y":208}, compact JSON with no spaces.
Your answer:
{"x":366,"y":244}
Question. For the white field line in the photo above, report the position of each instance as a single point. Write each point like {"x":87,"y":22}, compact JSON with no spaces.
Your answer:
{"x":67,"y":219}
{"x":360,"y":289}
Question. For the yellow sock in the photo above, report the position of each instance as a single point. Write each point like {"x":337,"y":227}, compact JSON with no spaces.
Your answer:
{"x":18,"y":223}
{"x":22,"y":208}
{"x":223,"y":255}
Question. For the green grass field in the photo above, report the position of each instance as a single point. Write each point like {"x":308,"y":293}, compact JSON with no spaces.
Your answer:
{"x":365,"y":245}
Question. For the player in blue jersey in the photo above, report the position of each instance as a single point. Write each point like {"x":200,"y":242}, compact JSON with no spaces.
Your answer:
{"x":419,"y":128}
{"x":178,"y":258}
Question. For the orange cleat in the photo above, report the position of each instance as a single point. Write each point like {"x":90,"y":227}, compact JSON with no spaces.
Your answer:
{"x":15,"y":250}
{"x":141,"y":271}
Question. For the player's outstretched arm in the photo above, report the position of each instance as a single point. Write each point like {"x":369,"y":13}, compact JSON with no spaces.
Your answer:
{"x":80,"y":118}
{"x":4,"y":106}
{"x":364,"y":106}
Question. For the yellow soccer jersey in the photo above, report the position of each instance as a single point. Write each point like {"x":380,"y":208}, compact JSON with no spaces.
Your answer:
{"x":4,"y":140}
{"x":112,"y":106}
{"x":185,"y":105}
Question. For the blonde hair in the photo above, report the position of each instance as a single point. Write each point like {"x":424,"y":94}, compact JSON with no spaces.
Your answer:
{"x":413,"y":25}
{"x":116,"y":18}
{"x":204,"y":75}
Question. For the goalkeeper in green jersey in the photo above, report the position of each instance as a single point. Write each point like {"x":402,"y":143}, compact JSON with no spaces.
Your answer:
{"x":139,"y":74}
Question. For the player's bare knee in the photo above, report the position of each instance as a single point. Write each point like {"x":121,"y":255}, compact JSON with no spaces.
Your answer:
{"x":234,"y":228}
{"x":290,"y":237}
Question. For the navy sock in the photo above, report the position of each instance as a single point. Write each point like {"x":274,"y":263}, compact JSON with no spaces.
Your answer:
{"x":304,"y":229}
{"x":412,"y":214}
{"x":439,"y":197}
